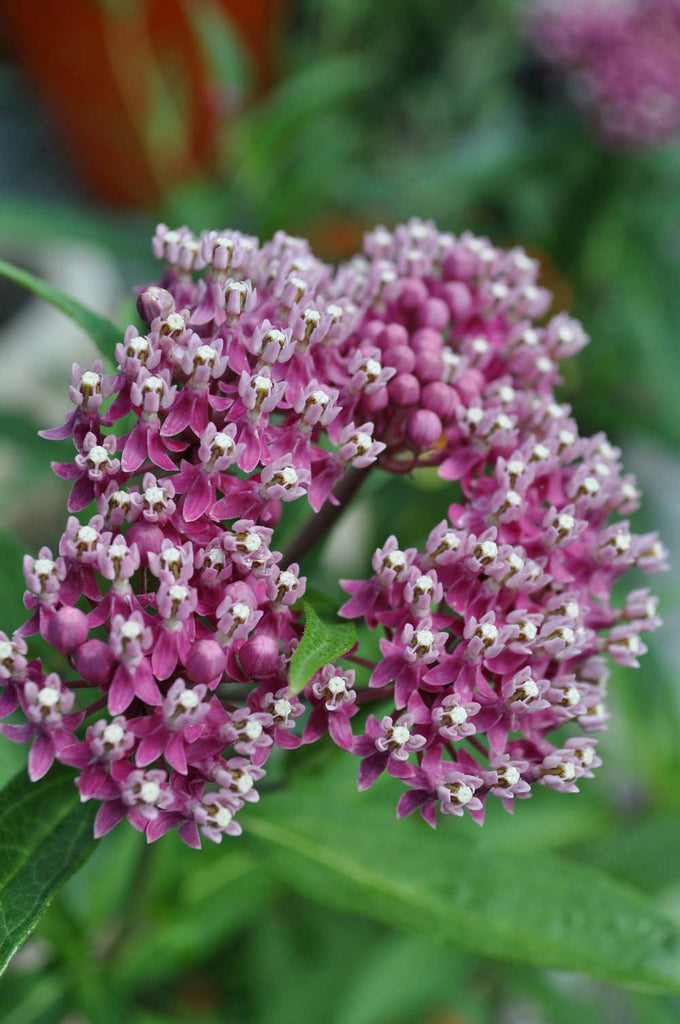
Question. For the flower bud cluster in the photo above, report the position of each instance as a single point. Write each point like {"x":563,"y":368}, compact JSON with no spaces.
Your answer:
{"x":260,"y":377}
{"x":622,"y":60}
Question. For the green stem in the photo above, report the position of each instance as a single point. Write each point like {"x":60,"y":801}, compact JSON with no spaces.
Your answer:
{"x":316,"y":528}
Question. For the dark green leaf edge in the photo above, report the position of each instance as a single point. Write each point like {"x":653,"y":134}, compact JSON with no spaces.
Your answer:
{"x":103,"y":333}
{"x":69,"y":832}
{"x":321,"y":642}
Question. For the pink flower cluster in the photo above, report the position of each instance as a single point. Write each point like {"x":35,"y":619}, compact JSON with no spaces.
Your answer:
{"x":261,"y":377}
{"x":623,"y":61}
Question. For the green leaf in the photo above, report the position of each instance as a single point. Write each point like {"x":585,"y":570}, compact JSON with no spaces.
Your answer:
{"x":190,"y":919}
{"x":12,"y":611}
{"x":346,"y":850}
{"x":321,"y":642}
{"x":104,"y":334}
{"x":45,"y":835}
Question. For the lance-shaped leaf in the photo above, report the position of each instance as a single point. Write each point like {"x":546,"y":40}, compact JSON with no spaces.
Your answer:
{"x":104,"y":334}
{"x":322,"y":641}
{"x":347,"y":850}
{"x":45,"y":836}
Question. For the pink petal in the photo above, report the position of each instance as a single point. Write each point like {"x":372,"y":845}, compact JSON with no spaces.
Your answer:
{"x":40,"y":757}
{"x":157,"y":452}
{"x":135,"y":449}
{"x":175,"y":754}
{"x":145,"y":685}
{"x":66,"y":470}
{"x":409,"y":802}
{"x":81,"y":495}
{"x":370,"y":768}
{"x":164,"y":656}
{"x":121,"y":691}
{"x":340,"y":730}
{"x":108,"y":816}
{"x":180,"y":414}
{"x":17,"y":733}
{"x":199,"y":496}
{"x":188,"y":833}
{"x":150,"y":748}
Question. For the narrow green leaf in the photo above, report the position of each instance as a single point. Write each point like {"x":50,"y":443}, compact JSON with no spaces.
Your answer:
{"x":12,"y":611}
{"x":346,"y":850}
{"x":45,"y":835}
{"x":321,"y":642}
{"x":104,"y":334}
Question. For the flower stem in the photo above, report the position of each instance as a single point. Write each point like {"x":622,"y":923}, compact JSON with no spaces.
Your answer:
{"x":356,"y":660}
{"x":318,"y":526}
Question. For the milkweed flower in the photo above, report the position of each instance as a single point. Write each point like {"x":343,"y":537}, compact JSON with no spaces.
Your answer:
{"x":622,"y":60}
{"x":258,"y":377}
{"x":498,"y":628}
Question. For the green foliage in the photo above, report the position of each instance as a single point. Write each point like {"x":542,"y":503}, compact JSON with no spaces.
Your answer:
{"x":322,"y":641}
{"x":45,"y":836}
{"x":345,"y":849}
{"x":104,"y":334}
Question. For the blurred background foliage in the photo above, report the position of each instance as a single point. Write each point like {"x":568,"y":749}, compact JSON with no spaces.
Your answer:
{"x":324,"y":117}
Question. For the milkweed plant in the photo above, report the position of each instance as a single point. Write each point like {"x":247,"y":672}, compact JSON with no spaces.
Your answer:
{"x":260,"y":376}
{"x":621,"y":62}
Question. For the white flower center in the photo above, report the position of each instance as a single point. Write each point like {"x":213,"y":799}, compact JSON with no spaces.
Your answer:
{"x":509,"y":774}
{"x":188,"y":700}
{"x":288,"y":476}
{"x":336,"y":685}
{"x":250,"y":541}
{"x":240,"y":612}
{"x":488,"y":550}
{"x":400,"y":735}
{"x":362,"y":441}
{"x":154,"y":495}
{"x":395,"y":560}
{"x":149,"y":792}
{"x":252,"y":729}
{"x":372,"y":369}
{"x":113,"y":734}
{"x":205,"y":354}
{"x":48,"y":697}
{"x":487,"y":631}
{"x":282,"y":708}
{"x":528,"y":690}
{"x":98,"y":455}
{"x":223,"y":817}
{"x":527,"y":630}
{"x":131,"y":631}
{"x":456,"y":715}
{"x":460,"y":793}
{"x":154,"y":384}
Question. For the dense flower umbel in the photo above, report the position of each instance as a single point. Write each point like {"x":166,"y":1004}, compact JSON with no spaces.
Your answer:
{"x":262,"y":377}
{"x":623,"y":60}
